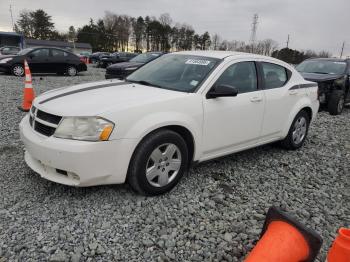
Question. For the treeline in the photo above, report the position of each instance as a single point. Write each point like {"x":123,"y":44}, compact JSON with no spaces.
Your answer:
{"x":292,"y":56}
{"x":116,"y":32}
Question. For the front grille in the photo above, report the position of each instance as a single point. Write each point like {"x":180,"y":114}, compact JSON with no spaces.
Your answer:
{"x":42,"y":122}
{"x":44,"y":129}
{"x":48,"y":117}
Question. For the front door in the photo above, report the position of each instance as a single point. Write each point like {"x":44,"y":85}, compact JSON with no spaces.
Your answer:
{"x":38,"y":60}
{"x":232,"y":123}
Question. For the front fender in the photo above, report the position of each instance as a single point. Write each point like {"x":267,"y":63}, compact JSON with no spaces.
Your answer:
{"x":157,"y":120}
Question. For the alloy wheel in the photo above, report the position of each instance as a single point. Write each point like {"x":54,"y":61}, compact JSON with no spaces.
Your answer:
{"x":299,"y":131}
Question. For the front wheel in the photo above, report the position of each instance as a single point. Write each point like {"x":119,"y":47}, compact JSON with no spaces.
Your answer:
{"x":336,"y":102}
{"x":72,"y":71}
{"x":158,"y":163}
{"x":18,"y":70}
{"x":297,"y":132}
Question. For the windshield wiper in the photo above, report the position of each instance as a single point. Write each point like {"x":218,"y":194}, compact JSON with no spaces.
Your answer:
{"x":146,"y":83}
{"x":323,"y":73}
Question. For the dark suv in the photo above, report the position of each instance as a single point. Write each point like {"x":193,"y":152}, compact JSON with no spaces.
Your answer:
{"x":43,"y":60}
{"x":333,"y":78}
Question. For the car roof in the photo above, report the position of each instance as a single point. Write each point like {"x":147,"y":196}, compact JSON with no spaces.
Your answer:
{"x":329,"y":59}
{"x":221,"y":54}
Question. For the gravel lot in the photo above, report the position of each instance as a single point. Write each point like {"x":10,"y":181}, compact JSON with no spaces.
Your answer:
{"x":215,"y":214}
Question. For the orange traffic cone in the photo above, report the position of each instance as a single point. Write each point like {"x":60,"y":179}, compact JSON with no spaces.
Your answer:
{"x":285,"y":239}
{"x":340,"y":250}
{"x":28,"y":92}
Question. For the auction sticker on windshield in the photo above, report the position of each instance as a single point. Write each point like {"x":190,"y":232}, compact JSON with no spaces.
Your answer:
{"x":197,"y":62}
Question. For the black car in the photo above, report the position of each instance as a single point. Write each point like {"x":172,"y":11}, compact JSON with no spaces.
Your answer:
{"x":333,"y":78}
{"x":43,"y":60}
{"x":95,"y":57}
{"x":122,"y":70}
{"x":114,"y":58}
{"x":9,"y":50}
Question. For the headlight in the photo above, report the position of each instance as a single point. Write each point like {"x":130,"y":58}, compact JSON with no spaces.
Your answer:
{"x":340,"y":81}
{"x":131,"y":68}
{"x":5,"y":60}
{"x":84,"y":128}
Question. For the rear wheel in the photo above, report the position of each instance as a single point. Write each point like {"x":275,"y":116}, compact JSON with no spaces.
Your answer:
{"x":18,"y":70}
{"x":158,"y":163}
{"x":336,"y":102}
{"x":297,"y":132}
{"x":72,"y":71}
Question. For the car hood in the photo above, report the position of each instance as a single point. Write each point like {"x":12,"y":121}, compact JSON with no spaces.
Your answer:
{"x":124,"y":65}
{"x":320,"y":77}
{"x":101,"y":97}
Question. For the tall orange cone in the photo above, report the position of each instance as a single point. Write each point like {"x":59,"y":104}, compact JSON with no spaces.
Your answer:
{"x":28,"y":92}
{"x":340,"y":250}
{"x":285,"y":239}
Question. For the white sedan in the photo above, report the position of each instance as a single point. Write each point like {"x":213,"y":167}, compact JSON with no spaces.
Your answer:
{"x":182,"y":108}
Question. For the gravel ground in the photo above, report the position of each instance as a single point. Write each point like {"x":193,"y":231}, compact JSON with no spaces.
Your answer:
{"x":214,"y":214}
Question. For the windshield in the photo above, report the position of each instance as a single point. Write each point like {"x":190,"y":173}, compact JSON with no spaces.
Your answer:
{"x":25,"y":51}
{"x":322,"y":67}
{"x":176,"y":72}
{"x":145,"y":58}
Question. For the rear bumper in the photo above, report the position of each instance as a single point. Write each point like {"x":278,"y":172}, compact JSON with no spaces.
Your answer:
{"x":82,"y":67}
{"x":76,"y":163}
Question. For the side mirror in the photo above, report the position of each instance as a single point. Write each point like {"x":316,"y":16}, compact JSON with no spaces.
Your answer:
{"x":222,"y":91}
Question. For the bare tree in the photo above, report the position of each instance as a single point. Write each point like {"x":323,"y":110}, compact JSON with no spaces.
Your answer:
{"x":215,"y":41}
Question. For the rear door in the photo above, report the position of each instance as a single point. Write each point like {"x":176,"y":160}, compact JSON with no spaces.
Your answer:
{"x":281,"y":97}
{"x":58,"y":61}
{"x":38,"y":60}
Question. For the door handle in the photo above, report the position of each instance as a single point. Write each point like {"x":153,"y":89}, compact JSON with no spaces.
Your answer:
{"x":256,"y":99}
{"x":293,"y":92}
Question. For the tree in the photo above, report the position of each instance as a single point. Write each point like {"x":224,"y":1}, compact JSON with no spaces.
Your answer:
{"x":139,"y":31}
{"x":216,"y":41}
{"x":36,"y":24}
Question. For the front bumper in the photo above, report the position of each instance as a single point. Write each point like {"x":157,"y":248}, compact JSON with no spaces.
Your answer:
{"x":76,"y":163}
{"x":6,"y":68}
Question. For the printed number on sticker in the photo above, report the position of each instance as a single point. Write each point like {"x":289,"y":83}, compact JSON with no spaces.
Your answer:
{"x":197,"y":62}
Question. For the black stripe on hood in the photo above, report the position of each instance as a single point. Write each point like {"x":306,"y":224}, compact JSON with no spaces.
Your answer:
{"x":82,"y":90}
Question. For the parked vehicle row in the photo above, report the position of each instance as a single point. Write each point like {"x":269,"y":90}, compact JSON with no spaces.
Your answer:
{"x":122,"y":70}
{"x":42,"y":60}
{"x":179,"y":109}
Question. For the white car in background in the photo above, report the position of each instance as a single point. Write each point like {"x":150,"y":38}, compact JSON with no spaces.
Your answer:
{"x":181,"y":108}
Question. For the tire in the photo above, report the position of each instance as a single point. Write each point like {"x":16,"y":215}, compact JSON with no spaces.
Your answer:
{"x":17,"y":70}
{"x":297,"y":132}
{"x":336,"y":102}
{"x":153,"y":156}
{"x":71,"y":70}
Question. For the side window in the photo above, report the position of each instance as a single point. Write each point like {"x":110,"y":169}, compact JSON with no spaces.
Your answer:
{"x":57,"y":53}
{"x":40,"y":53}
{"x":275,"y":76}
{"x":240,"y":75}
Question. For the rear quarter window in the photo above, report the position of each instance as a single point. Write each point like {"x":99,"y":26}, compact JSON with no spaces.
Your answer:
{"x":274,"y":75}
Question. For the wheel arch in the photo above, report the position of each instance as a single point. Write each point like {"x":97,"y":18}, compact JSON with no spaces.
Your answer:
{"x":183,"y":131}
{"x":300,"y":107}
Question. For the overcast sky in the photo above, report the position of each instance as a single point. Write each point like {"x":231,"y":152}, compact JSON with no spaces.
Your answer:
{"x":312,"y":24}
